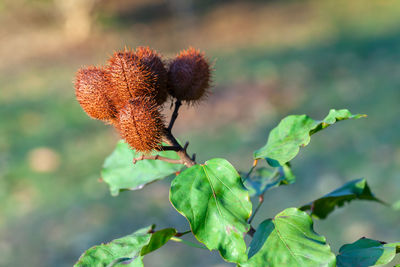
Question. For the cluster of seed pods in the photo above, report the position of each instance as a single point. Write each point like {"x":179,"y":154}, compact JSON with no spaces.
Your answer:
{"x":130,"y":90}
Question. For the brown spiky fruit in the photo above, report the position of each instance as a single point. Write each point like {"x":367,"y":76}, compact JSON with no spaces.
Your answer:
{"x":134,"y":75}
{"x":129,"y":78}
{"x":141,"y":124}
{"x":152,"y":60}
{"x":189,"y":76}
{"x":91,"y":85}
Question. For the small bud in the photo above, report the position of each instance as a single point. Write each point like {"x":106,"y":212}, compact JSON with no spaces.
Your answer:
{"x":189,"y":76}
{"x":141,"y":124}
{"x":91,"y":85}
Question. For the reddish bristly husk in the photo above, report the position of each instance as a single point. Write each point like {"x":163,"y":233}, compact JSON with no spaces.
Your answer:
{"x":141,"y":124}
{"x":129,"y":78}
{"x":137,"y":74}
{"x":91,"y":86}
{"x":129,"y":92}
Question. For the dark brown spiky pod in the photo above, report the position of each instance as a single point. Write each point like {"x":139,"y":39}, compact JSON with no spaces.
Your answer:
{"x":141,"y":124}
{"x":91,"y":85}
{"x":135,"y":75}
{"x":189,"y":76}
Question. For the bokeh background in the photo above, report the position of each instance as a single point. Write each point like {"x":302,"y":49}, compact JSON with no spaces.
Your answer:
{"x":272,"y":59}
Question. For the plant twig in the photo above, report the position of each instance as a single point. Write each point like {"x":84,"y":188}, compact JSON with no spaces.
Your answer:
{"x":260,"y":201}
{"x":178,"y":104}
{"x":169,"y":148}
{"x":183,"y":233}
{"x":173,"y":143}
{"x":251,"y":170}
{"x":158,"y":157}
{"x":261,"y":198}
{"x":182,"y":153}
{"x":186,"y":146}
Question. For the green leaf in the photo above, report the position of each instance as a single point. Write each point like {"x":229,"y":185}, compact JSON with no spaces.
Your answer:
{"x":265,"y":179}
{"x":186,"y":242}
{"x":356,"y":189}
{"x":367,"y":252}
{"x":120,"y":173}
{"x":289,"y":240}
{"x":284,"y":141}
{"x":213,"y":199}
{"x":158,"y":239}
{"x":126,"y":249}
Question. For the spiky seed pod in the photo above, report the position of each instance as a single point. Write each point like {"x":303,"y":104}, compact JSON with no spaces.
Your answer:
{"x":91,"y":85}
{"x":136,"y":75}
{"x":141,"y":124}
{"x":129,"y":78}
{"x":189,"y":75}
{"x":152,"y":60}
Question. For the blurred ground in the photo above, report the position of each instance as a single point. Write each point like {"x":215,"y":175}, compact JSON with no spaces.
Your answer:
{"x":271,"y":59}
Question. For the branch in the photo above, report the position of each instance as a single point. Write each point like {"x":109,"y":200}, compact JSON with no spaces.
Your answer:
{"x":260,"y":201}
{"x":183,"y":233}
{"x":169,"y":148}
{"x":251,"y":170}
{"x":158,"y":157}
{"x":173,"y":143}
{"x":181,"y":151}
{"x":178,"y":104}
{"x":261,"y":197}
{"x":178,"y":234}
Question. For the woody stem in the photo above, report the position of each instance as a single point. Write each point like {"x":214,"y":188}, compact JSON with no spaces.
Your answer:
{"x":261,"y":197}
{"x":260,"y":202}
{"x":173,"y":144}
{"x":158,"y":157}
{"x":178,"y":104}
{"x":181,"y":151}
{"x":168,"y":148}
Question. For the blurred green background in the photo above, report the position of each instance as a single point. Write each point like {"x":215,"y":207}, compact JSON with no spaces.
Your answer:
{"x":272,"y":59}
